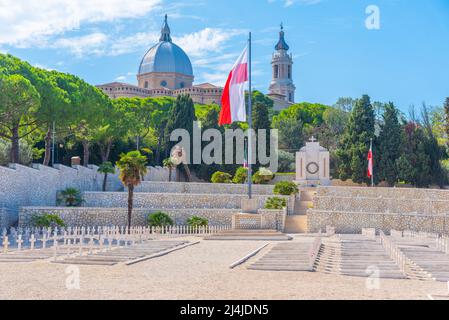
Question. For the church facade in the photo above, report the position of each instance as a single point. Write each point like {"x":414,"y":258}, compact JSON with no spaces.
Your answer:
{"x":166,"y":71}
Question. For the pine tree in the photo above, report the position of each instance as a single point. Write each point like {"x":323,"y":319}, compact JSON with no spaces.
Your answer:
{"x":389,"y":145}
{"x":355,"y":142}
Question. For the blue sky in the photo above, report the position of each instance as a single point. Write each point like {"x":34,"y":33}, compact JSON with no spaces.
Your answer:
{"x":406,"y":61}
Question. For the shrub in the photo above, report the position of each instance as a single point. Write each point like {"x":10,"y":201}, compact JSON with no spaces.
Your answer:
{"x":263,"y":176}
{"x":275,"y":203}
{"x":286,"y":188}
{"x":221,"y":177}
{"x":197,"y":222}
{"x":47,"y":220}
{"x":240,"y":175}
{"x":70,"y":197}
{"x":159,"y":219}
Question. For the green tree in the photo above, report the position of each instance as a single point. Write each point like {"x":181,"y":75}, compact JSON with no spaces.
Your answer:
{"x":19,"y":102}
{"x":106,"y":168}
{"x":355,"y":142}
{"x":170,"y":165}
{"x":182,"y":117}
{"x":132,"y":168}
{"x":414,"y":165}
{"x":446,"y":111}
{"x":291,"y":137}
{"x":389,"y":145}
{"x":433,"y":149}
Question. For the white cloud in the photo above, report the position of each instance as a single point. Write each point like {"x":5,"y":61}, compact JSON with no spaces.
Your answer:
{"x":207,"y":40}
{"x":29,"y":21}
{"x":79,"y":46}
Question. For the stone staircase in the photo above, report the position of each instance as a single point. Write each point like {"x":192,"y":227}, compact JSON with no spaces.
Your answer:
{"x":250,"y":235}
{"x":297,"y":223}
{"x":293,"y":256}
{"x":356,"y":256}
{"x":426,"y":259}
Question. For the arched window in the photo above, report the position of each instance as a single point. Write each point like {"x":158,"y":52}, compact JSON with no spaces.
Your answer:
{"x":276,"y":71}
{"x":289,"y":72}
{"x":146,"y":85}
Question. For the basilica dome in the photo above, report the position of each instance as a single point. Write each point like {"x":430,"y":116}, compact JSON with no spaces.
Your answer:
{"x":166,"y":57}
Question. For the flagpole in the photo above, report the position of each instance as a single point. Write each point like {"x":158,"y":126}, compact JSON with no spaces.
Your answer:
{"x":250,"y":124}
{"x":372,"y":161}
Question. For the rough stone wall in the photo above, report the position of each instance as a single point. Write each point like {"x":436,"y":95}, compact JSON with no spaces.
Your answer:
{"x":38,"y":185}
{"x":383,"y":205}
{"x":7,"y":218}
{"x":118,"y":216}
{"x":174,"y":201}
{"x":201,"y":188}
{"x":397,"y":193}
{"x":354,"y":222}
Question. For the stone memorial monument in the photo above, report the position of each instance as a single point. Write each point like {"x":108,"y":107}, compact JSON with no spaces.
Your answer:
{"x":313,"y":165}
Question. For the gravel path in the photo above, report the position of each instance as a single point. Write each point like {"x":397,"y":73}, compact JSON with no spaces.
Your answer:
{"x":197,"y":272}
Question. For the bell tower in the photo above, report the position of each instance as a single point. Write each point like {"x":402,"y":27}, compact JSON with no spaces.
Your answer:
{"x":282,"y":87}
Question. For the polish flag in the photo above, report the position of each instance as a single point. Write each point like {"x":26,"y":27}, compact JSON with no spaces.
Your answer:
{"x":233,"y":107}
{"x":370,"y":162}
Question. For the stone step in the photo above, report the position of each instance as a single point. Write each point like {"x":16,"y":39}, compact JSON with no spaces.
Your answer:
{"x":249,"y":238}
{"x":296,"y":224}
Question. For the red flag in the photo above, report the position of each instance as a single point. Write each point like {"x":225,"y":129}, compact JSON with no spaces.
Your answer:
{"x":370,"y":162}
{"x":233,"y":106}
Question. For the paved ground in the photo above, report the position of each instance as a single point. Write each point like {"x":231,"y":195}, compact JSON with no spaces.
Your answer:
{"x":196,"y":272}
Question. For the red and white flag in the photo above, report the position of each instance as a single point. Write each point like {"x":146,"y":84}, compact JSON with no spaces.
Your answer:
{"x":233,"y":107}
{"x":370,"y":162}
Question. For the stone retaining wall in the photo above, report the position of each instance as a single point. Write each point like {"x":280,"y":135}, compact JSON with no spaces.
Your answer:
{"x":273,"y":219}
{"x":354,"y":222}
{"x":397,"y":193}
{"x":7,"y":218}
{"x":174,"y":200}
{"x":383,"y":205}
{"x":37,"y":185}
{"x":201,"y":188}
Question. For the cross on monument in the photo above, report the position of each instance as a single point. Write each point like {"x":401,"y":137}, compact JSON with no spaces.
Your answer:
{"x":313,"y":139}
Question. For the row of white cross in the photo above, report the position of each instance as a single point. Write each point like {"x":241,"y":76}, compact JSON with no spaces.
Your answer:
{"x":101,"y":236}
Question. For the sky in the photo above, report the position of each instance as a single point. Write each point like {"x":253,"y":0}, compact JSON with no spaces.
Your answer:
{"x":393,"y":50}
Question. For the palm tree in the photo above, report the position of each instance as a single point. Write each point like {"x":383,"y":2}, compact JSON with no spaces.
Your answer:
{"x":170,"y":164}
{"x":132,"y":167}
{"x":106,"y":168}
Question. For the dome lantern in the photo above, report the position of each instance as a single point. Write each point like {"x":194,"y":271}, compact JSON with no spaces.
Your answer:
{"x":165,"y":32}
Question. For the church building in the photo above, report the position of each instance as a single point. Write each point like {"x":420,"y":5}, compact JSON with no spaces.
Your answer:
{"x":166,"y":71}
{"x":282,"y":89}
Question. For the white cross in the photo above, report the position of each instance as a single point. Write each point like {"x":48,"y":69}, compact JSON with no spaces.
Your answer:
{"x":313,"y":139}
{"x":32,"y":241}
{"x":5,"y":244}
{"x":19,"y":242}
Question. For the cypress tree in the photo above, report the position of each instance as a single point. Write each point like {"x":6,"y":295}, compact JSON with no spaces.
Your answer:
{"x":355,"y":142}
{"x":414,"y":164}
{"x":389,"y":145}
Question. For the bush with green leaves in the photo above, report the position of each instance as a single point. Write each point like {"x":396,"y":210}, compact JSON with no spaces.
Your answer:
{"x":240,"y":175}
{"x":221,"y":177}
{"x":197,"y":222}
{"x":286,"y":188}
{"x":160,"y":219}
{"x":276,"y":203}
{"x":263,"y":176}
{"x":47,"y":220}
{"x":70,"y":197}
